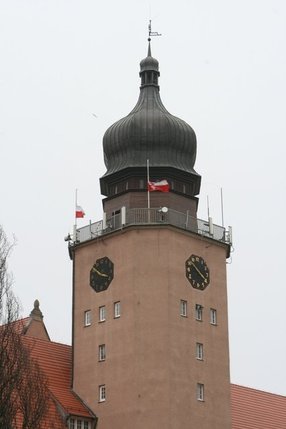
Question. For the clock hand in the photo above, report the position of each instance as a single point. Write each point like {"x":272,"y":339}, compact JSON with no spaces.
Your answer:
{"x":204,"y":278}
{"x":99,"y":273}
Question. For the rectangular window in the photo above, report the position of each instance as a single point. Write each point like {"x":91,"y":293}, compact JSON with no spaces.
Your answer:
{"x":101,"y":352}
{"x":213,"y":316}
{"x":87,"y":318}
{"x":71,"y":425}
{"x":200,"y":392}
{"x":78,"y":424}
{"x":102,"y":393}
{"x":102,"y":313}
{"x":85,"y":425}
{"x":117,"y":309}
{"x":199,"y":351}
{"x":199,"y":312}
{"x":183,"y":308}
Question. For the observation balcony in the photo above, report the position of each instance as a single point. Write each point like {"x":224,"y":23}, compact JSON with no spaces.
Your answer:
{"x":150,"y":217}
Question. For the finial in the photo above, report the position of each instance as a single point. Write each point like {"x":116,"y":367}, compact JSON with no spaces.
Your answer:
{"x":36,"y":313}
{"x":152,"y":33}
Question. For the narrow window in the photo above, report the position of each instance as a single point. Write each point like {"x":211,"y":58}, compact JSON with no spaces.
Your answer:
{"x":213,"y":316}
{"x":102,"y":313}
{"x":101,"y":352}
{"x":183,"y":308}
{"x":87,"y":318}
{"x":85,"y":425}
{"x":117,"y":309}
{"x":199,"y":312}
{"x":72,"y":426}
{"x":78,"y":424}
{"x":102,"y":393}
{"x":199,"y":351}
{"x":200,"y":392}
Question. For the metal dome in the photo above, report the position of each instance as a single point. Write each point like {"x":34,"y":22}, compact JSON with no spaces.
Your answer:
{"x":149,"y":131}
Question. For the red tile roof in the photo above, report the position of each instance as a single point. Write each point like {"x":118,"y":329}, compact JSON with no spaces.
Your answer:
{"x":256,"y":409}
{"x":56,"y":362}
{"x":20,"y":325}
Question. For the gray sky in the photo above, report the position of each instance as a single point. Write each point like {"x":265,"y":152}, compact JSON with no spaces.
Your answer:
{"x":223,"y":68}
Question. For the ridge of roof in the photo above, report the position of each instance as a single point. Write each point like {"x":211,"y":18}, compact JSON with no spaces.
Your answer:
{"x":20,"y":325}
{"x":253,"y":390}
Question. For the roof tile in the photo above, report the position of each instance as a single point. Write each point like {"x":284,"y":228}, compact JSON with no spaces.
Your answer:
{"x":55,"y":360}
{"x":256,"y":409}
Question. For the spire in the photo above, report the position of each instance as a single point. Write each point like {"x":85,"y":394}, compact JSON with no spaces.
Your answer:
{"x":151,"y":34}
{"x":149,"y":67}
{"x":149,"y":48}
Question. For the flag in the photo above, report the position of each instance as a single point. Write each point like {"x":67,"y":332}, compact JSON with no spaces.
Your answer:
{"x":162,"y":186}
{"x":79,"y":212}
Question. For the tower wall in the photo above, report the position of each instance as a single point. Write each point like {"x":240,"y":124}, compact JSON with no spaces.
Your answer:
{"x":151,"y":370}
{"x":171,"y":200}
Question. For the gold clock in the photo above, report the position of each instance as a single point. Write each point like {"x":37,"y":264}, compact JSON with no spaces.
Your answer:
{"x":197,"y":272}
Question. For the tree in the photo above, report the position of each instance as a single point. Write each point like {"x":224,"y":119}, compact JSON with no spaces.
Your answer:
{"x":23,"y":386}
{"x":31,"y":393}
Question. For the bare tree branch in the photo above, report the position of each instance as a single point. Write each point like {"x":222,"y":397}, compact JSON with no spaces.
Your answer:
{"x":23,"y":386}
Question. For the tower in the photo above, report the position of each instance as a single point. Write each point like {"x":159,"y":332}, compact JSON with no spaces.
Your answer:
{"x":150,"y":332}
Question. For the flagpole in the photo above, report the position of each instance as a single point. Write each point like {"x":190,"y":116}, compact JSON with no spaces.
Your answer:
{"x":75,"y":221}
{"x":148,"y":179}
{"x":148,"y":192}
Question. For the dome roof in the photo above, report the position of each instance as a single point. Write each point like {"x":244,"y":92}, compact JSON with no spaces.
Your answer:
{"x":149,"y":131}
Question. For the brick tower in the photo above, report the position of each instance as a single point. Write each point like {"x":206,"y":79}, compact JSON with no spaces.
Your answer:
{"x":150,"y":328}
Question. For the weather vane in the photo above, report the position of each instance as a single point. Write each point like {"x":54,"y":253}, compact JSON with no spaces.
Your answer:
{"x":152,"y":33}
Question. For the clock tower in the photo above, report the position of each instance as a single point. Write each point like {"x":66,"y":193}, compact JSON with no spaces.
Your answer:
{"x":150,"y":329}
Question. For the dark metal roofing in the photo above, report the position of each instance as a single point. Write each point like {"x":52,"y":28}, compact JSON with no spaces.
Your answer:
{"x":149,"y":131}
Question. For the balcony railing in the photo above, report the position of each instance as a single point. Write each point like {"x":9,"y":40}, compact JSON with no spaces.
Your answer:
{"x":144,"y":216}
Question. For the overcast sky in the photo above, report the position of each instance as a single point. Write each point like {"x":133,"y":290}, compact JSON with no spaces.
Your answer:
{"x":223,"y":69}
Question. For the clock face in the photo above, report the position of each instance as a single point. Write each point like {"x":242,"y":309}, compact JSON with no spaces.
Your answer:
{"x":101,"y":274}
{"x":197,"y":272}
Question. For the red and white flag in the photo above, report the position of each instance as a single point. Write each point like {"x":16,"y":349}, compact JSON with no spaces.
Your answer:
{"x":79,"y":212}
{"x":162,"y":186}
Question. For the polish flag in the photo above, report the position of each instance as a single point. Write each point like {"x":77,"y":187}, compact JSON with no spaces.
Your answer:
{"x":79,"y":212}
{"x":162,"y":186}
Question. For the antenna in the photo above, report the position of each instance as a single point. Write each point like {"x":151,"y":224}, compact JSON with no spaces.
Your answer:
{"x":152,"y":33}
{"x":221,"y":203}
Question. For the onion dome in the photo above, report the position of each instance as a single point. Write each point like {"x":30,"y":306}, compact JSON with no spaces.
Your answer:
{"x":150,"y":132}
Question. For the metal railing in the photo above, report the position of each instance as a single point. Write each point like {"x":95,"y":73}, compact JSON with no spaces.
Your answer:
{"x":145,"y":216}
